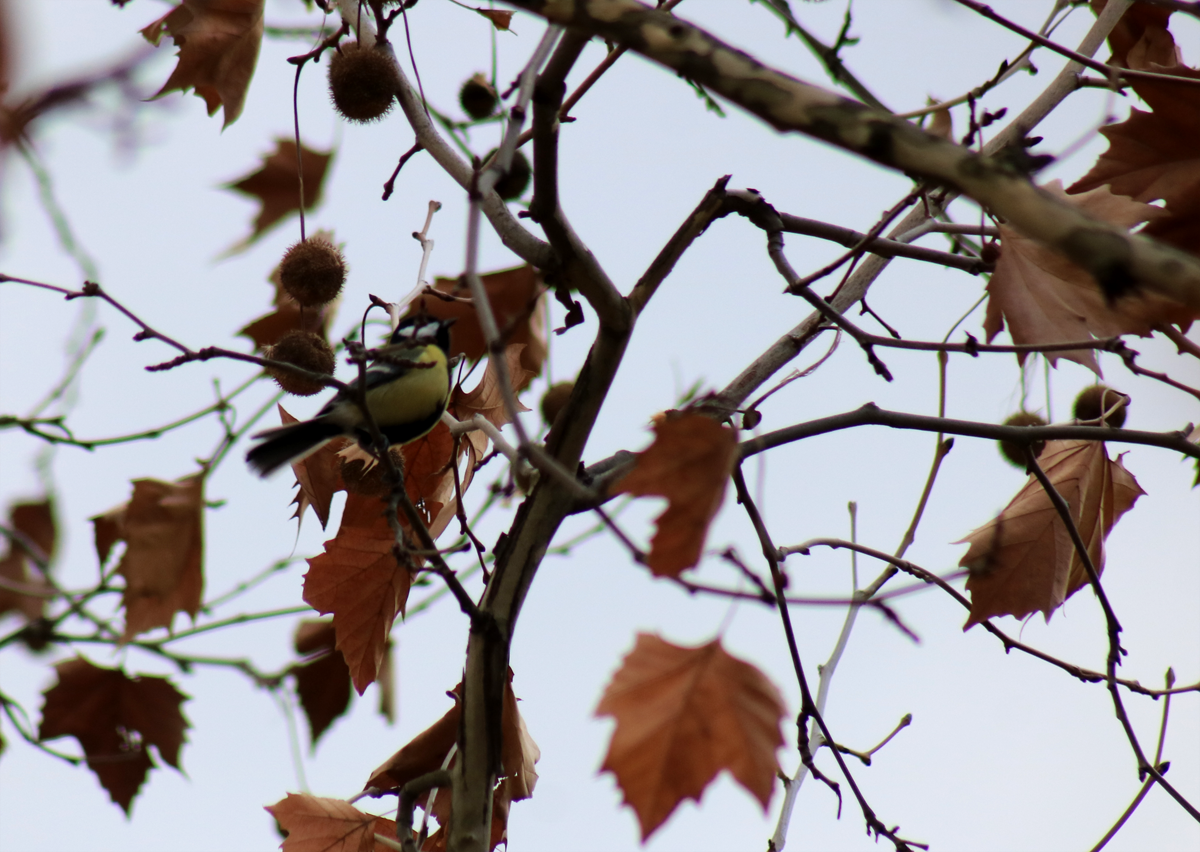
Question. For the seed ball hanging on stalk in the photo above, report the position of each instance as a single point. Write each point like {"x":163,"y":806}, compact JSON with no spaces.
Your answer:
{"x":313,"y":272}
{"x":516,"y":180}
{"x":362,"y":83}
{"x":554,"y":400}
{"x":1102,"y":401}
{"x":307,"y":350}
{"x":1013,"y":452}
{"x":477,"y":97}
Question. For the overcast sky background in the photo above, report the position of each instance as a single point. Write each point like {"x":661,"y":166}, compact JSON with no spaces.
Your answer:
{"x":1004,"y":752}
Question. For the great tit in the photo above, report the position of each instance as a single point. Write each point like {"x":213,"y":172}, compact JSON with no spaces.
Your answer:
{"x":405,"y":400}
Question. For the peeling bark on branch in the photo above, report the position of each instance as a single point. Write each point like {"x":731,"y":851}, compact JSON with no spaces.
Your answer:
{"x":1116,"y":259}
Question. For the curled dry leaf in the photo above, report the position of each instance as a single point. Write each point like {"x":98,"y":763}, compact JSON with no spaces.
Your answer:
{"x":115,"y":718}
{"x":683,"y":715}
{"x":500,"y":19}
{"x":428,"y":751}
{"x":518,"y":302}
{"x":316,"y":824}
{"x":689,"y":463}
{"x":1023,"y":560}
{"x":1045,"y":298}
{"x":162,"y":527}
{"x":322,"y":683}
{"x":277,"y":186}
{"x":218,"y":43}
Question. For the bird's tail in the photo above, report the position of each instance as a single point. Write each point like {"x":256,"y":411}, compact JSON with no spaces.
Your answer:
{"x":287,"y":443}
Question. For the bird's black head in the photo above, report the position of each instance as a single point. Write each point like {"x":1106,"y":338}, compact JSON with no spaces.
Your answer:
{"x":423,"y":329}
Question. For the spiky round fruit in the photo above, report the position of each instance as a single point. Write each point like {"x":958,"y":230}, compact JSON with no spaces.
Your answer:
{"x":1101,"y":401}
{"x":516,"y":180}
{"x":477,"y":97}
{"x":362,"y":83}
{"x":368,"y":477}
{"x":554,"y":400}
{"x":307,"y":350}
{"x":1013,"y":452}
{"x":313,"y":272}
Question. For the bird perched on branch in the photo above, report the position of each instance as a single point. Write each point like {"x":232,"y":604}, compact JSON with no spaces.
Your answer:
{"x":408,"y":385}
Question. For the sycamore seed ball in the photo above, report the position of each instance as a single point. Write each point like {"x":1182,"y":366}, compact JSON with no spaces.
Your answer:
{"x":554,"y":400}
{"x":362,"y":83}
{"x":1013,"y":452}
{"x":307,"y":350}
{"x":477,"y":97}
{"x":313,"y":272}
{"x":1101,"y":401}
{"x":515,"y":181}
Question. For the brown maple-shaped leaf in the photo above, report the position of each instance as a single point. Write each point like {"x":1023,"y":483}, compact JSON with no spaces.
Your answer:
{"x":288,"y":315}
{"x":318,"y":475}
{"x":427,"y":751}
{"x":115,"y":718}
{"x":1044,"y":298}
{"x":315,"y":824}
{"x":1023,"y":560}
{"x":487,"y":398}
{"x":21,"y":589}
{"x":689,"y":463}
{"x":218,"y":43}
{"x":277,"y":186}
{"x":683,"y":715}
{"x":162,"y":527}
{"x":518,"y":302}
{"x":358,"y":580}
{"x":1156,"y":155}
{"x":323,"y":682}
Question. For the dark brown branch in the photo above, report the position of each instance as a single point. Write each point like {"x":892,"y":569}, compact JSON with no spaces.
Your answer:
{"x":872,"y":415}
{"x":1107,"y":70}
{"x":1145,"y":768}
{"x":808,"y":707}
{"x":578,"y":267}
{"x":1086,"y":675}
{"x":881,"y":246}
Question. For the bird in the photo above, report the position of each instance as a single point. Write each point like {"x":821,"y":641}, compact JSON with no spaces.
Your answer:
{"x":405,"y":400}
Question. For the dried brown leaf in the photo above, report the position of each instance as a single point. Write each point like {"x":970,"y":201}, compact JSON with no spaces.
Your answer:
{"x":1023,"y":560}
{"x":316,"y":824}
{"x":518,"y":302}
{"x":218,"y":43}
{"x":115,"y":717}
{"x":683,"y":715}
{"x":162,"y":527}
{"x":1044,"y":298}
{"x":318,"y":475}
{"x":359,"y":581}
{"x":277,"y":186}
{"x":487,"y":398}
{"x":689,"y":463}
{"x":322,"y":683}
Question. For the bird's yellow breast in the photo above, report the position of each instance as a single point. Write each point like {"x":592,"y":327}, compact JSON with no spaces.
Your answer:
{"x":415,"y":396}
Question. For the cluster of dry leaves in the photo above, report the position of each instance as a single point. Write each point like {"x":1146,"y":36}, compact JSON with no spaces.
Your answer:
{"x":682,"y":714}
